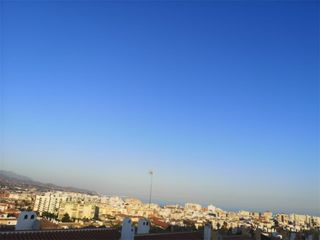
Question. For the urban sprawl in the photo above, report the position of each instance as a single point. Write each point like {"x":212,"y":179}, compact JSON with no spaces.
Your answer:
{"x":65,"y":210}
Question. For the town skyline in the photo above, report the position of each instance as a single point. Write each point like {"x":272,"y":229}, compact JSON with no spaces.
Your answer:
{"x":145,"y":198}
{"x":73,"y":210}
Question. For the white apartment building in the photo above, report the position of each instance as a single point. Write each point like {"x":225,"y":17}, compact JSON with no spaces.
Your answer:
{"x":192,"y":207}
{"x":49,"y":202}
{"x":78,"y":210}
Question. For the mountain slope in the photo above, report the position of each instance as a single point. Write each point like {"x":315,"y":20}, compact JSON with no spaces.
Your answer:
{"x":11,"y":180}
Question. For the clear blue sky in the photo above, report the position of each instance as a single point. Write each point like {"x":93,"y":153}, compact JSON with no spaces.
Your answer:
{"x":220,"y":99}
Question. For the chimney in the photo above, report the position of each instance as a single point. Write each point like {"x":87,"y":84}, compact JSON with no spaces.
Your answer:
{"x":127,"y":230}
{"x":143,"y":226}
{"x":207,"y":232}
{"x":27,"y":220}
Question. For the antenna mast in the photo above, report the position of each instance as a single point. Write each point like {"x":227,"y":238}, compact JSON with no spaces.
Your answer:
{"x":150,"y":193}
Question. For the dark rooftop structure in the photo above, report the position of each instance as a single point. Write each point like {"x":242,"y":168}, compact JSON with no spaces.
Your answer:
{"x":104,"y":234}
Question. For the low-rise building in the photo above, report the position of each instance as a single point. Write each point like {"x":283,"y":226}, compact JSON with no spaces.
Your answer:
{"x":78,"y":210}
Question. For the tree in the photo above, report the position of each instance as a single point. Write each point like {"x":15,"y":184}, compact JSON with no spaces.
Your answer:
{"x":66,"y":218}
{"x":49,"y":215}
{"x":218,"y":225}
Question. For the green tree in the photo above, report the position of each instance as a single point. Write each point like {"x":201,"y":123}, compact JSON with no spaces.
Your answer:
{"x":66,"y":218}
{"x":49,"y":215}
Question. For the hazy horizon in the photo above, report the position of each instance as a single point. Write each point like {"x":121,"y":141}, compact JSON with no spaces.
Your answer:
{"x":145,"y":198}
{"x":220,"y":99}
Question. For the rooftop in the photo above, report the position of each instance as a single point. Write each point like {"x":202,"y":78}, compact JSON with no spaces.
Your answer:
{"x":101,"y":234}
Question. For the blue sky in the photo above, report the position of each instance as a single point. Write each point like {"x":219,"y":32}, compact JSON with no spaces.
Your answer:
{"x":220,"y":99}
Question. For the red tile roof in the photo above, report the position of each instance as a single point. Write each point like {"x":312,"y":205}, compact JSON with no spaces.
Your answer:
{"x":46,"y":224}
{"x":176,"y":236}
{"x":237,"y":237}
{"x":78,"y":234}
{"x":159,"y":222}
{"x":93,"y":234}
{"x":102,"y":234}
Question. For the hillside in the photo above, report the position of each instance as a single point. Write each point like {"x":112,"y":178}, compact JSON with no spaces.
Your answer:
{"x":14,"y":180}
